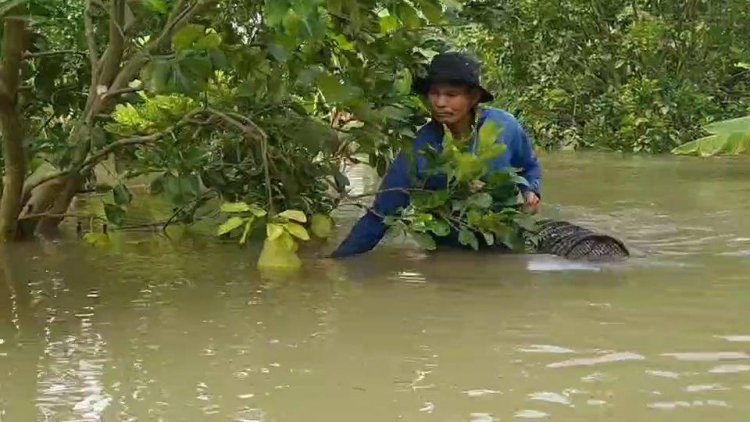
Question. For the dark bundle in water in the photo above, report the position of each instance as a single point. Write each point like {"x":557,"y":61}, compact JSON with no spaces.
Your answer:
{"x":570,"y":241}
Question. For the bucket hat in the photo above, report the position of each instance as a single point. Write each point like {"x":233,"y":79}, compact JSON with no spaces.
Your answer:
{"x":455,"y":68}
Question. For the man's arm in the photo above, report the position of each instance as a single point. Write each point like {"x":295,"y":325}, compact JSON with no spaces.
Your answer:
{"x":370,"y":229}
{"x":523,"y":157}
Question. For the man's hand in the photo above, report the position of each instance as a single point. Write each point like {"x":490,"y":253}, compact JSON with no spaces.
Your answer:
{"x":476,"y":186}
{"x":532,"y":203}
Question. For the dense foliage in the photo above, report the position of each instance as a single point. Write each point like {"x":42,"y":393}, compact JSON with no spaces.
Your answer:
{"x":214,"y":101}
{"x":635,"y":75}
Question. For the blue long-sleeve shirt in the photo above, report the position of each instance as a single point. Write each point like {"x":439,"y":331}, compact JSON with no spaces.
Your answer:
{"x":370,"y":229}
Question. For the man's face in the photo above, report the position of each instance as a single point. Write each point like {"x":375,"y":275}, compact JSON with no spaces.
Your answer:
{"x":451,"y":103}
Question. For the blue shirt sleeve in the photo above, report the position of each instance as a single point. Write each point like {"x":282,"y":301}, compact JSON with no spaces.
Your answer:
{"x":369,"y":230}
{"x":523,"y":157}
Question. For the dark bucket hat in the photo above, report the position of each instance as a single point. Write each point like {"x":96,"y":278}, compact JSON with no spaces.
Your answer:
{"x":455,"y":68}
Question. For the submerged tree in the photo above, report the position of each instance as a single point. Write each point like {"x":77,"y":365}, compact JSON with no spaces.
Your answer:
{"x":241,"y":101}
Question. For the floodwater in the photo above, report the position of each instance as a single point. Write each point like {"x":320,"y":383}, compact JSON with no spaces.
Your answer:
{"x":188,"y":331}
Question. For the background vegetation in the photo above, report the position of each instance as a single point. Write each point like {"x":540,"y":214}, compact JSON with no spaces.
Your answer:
{"x":624,"y":75}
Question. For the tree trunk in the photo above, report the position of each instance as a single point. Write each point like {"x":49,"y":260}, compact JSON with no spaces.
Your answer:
{"x":11,"y":125}
{"x":49,"y":224}
{"x":15,"y":170}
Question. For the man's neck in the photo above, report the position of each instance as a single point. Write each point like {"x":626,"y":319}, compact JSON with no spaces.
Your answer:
{"x":462,"y":129}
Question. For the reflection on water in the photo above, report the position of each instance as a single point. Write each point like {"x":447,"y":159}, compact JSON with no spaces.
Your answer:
{"x":190,"y":331}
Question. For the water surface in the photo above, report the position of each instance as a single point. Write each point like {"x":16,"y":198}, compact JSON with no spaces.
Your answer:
{"x":160,"y":330}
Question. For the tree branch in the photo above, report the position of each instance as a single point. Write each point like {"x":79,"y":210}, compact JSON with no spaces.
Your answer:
{"x":93,"y":160}
{"x":91,"y":41}
{"x":136,"y":140}
{"x":30,"y":185}
{"x":250,"y":129}
{"x":114,"y":93}
{"x":180,"y":15}
{"x":112,"y":58}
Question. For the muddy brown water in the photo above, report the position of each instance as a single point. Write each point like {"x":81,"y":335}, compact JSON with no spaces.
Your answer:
{"x":156,"y":330}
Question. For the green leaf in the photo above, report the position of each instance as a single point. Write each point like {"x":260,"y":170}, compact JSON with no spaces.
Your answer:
{"x":429,"y":200}
{"x":273,"y":231}
{"x":187,"y":35}
{"x":468,"y":238}
{"x":257,"y":211}
{"x":234,"y":207}
{"x":489,"y":238}
{"x":425,"y":241}
{"x":527,"y":222}
{"x":231,"y":224}
{"x":98,"y":240}
{"x":287,"y":242}
{"x":297,"y":231}
{"x":209,"y":41}
{"x":278,"y":255}
{"x":408,"y":15}
{"x":181,"y":189}
{"x":158,"y":6}
{"x":432,"y":10}
{"x":741,"y":124}
{"x":275,"y":11}
{"x":121,"y":195}
{"x":321,"y":226}
{"x":439,"y":227}
{"x":115,"y":214}
{"x":514,"y":241}
{"x":388,"y":24}
{"x":481,"y":200}
{"x":294,"y":215}
{"x":334,"y":90}
{"x":488,"y":134}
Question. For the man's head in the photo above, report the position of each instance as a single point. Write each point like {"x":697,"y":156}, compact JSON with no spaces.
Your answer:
{"x":452,"y":102}
{"x":452,"y":87}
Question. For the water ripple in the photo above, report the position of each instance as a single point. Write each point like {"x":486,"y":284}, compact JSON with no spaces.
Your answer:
{"x":545,"y":348}
{"x":707,"y":356}
{"x":729,"y":369}
{"x":609,"y":358}
{"x":550,"y":397}
{"x":531,"y":414}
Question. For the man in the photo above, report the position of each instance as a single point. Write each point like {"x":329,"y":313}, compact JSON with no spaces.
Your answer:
{"x":453,"y":90}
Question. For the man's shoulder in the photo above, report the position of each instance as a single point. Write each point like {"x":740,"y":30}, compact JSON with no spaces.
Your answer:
{"x":501,"y":116}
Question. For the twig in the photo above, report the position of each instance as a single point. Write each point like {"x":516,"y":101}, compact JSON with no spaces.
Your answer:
{"x":368,"y":209}
{"x":55,"y":215}
{"x":39,"y":54}
{"x":402,"y":190}
{"x":94,"y":159}
{"x":137,"y":140}
{"x":116,"y":92}
{"x":253,"y":130}
{"x":194,"y":203}
{"x":250,"y":128}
